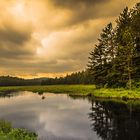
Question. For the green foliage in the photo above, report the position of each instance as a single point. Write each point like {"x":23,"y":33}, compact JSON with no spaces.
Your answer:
{"x":5,"y":127}
{"x":9,"y":133}
{"x":115,"y":60}
{"x":101,"y":58}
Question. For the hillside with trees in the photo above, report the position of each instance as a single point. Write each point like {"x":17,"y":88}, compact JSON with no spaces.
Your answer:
{"x":82,"y":77}
{"x":15,"y":81}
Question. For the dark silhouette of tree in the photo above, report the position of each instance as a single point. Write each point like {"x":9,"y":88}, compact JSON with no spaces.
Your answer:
{"x":115,"y":121}
{"x":115,"y":60}
{"x":102,"y":57}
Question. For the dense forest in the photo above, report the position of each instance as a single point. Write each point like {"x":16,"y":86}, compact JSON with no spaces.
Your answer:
{"x":75,"y":78}
{"x":82,"y":77}
{"x":14,"y":81}
{"x":114,"y":61}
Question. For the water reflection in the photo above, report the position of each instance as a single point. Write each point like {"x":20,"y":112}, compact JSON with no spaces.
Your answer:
{"x":113,"y":120}
{"x":72,"y":118}
{"x":41,"y":93}
{"x":56,"y":118}
{"x":8,"y":94}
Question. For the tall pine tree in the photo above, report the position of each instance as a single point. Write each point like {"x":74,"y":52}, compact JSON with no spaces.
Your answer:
{"x":100,"y":60}
{"x":115,"y":61}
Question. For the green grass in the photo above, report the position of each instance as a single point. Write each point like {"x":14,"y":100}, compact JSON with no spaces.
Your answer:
{"x":117,"y":93}
{"x":7,"y":132}
{"x":71,"y":89}
{"x":79,"y":90}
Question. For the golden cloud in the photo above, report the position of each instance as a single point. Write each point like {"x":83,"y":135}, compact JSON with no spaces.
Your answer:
{"x":51,"y":37}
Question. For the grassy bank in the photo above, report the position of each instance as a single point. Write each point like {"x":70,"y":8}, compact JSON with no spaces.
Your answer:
{"x":79,"y":90}
{"x":70,"y":89}
{"x":7,"y":132}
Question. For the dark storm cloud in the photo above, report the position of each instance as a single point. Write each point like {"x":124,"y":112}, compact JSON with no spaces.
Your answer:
{"x":83,"y":10}
{"x":13,"y":40}
{"x":75,"y":4}
{"x":12,"y":35}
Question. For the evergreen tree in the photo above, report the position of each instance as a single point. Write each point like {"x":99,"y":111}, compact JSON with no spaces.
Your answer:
{"x":121,"y":69}
{"x":101,"y":58}
{"x":115,"y":60}
{"x":135,"y":24}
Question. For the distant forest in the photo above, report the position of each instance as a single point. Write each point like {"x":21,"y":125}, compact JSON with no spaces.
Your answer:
{"x":114,"y":61}
{"x":75,"y":78}
{"x":15,"y":81}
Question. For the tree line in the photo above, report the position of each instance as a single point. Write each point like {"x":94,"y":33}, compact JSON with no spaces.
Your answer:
{"x":15,"y":81}
{"x":82,"y":77}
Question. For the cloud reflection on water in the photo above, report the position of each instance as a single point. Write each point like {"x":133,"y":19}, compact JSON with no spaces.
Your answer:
{"x":56,"y":117}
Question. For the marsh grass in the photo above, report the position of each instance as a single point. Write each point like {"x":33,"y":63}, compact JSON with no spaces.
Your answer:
{"x":79,"y":90}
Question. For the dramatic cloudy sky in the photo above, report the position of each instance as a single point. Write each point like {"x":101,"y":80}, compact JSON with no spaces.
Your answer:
{"x":51,"y":37}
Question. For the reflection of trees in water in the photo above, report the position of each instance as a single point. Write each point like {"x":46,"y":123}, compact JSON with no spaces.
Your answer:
{"x":76,"y":97}
{"x":11,"y":94}
{"x":115,"y":121}
{"x":8,"y":94}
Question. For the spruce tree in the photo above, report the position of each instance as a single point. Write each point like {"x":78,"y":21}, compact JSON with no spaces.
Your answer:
{"x":100,"y":60}
{"x":135,"y":24}
{"x":124,"y":40}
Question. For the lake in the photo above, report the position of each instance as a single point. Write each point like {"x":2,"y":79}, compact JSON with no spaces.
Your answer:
{"x":63,"y":117}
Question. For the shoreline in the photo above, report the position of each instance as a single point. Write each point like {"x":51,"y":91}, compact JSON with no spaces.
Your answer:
{"x":79,"y":90}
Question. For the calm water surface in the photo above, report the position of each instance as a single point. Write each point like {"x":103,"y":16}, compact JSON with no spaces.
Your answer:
{"x":61,"y":117}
